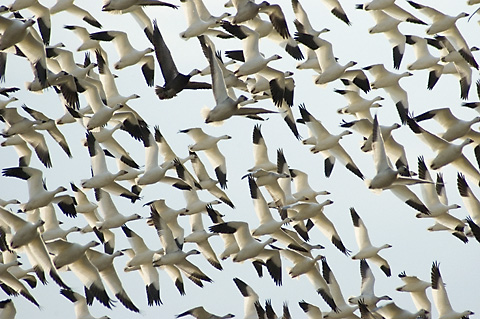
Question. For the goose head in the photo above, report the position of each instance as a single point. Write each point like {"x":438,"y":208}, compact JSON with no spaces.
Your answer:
{"x":194,"y":72}
{"x":135,"y":217}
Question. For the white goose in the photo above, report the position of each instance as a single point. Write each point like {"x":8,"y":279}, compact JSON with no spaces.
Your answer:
{"x":331,"y":69}
{"x":208,"y":144}
{"x":390,"y":83}
{"x":366,"y":249}
{"x":309,"y":267}
{"x":254,"y":61}
{"x":206,"y":182}
{"x":200,"y":313}
{"x":38,"y":195}
{"x":392,"y":311}
{"x":417,"y":289}
{"x":251,"y":300}
{"x":260,"y":152}
{"x":342,"y":309}
{"x":21,"y":148}
{"x":73,"y":255}
{"x":357,"y":105}
{"x":200,"y":237}
{"x":128,"y":55}
{"x":13,"y":283}
{"x":312,"y":311}
{"x":196,"y":25}
{"x":13,"y":31}
{"x":252,"y":249}
{"x":51,"y":228}
{"x":169,"y":215}
{"x":150,"y":278}
{"x":80,"y":304}
{"x":454,"y":127}
{"x":367,"y":293}
{"x":102,"y":177}
{"x":173,"y":254}
{"x":446,"y":152}
{"x":440,"y":297}
{"x":104,"y":264}
{"x":70,"y":7}
{"x":229,"y":241}
{"x":26,"y":233}
{"x":225,"y":106}
{"x":429,"y":193}
{"x":317,"y":130}
{"x":112,"y":218}
{"x":425,"y":60}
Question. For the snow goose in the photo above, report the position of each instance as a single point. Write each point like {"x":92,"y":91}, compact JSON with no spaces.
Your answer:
{"x":5,"y":102}
{"x":84,"y":35}
{"x":392,"y":9}
{"x":327,"y":144}
{"x":67,"y":63}
{"x":35,"y":247}
{"x":13,"y":283}
{"x":270,"y":180}
{"x":230,"y":244}
{"x":367,"y":294}
{"x":173,"y":254}
{"x":455,"y":127}
{"x":7,"y":309}
{"x":16,"y":124}
{"x":417,"y":289}
{"x":51,"y":228}
{"x":389,"y":27}
{"x":446,"y":152}
{"x":251,"y":301}
{"x":70,"y":7}
{"x":252,"y":249}
{"x":112,"y":218}
{"x":38,"y":195}
{"x":440,"y":21}
{"x":118,"y":5}
{"x":331,"y":69}
{"x":49,"y":125}
{"x":366,"y":249}
{"x":80,"y":304}
{"x":388,"y":178}
{"x":153,"y":171}
{"x":392,"y":311}
{"x":472,"y":204}
{"x":200,"y":237}
{"x":342,"y":310}
{"x":303,"y":191}
{"x":395,"y":151}
{"x":440,"y":297}
{"x":268,"y":224}
{"x":208,"y":144}
{"x":254,"y":61}
{"x":314,"y":211}
{"x":196,"y":25}
{"x":169,"y":215}
{"x":200,"y":313}
{"x":13,"y":31}
{"x":73,"y":255}
{"x":429,"y":193}
{"x":225,"y":106}
{"x":23,"y":151}
{"x":194,"y":204}
{"x":312,"y":311}
{"x":104,"y":264}
{"x":390,"y":83}
{"x":128,"y":55}
{"x":150,"y":278}
{"x":357,"y":105}
{"x":260,"y":152}
{"x":309,"y":267}
{"x":41,"y":13}
{"x":102,"y":177}
{"x":206,"y":182}
{"x":175,"y":81}
{"x":425,"y":60}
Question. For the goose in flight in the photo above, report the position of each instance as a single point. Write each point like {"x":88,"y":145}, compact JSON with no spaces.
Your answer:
{"x":327,"y":144}
{"x":128,"y":55}
{"x":200,"y":313}
{"x":226,"y":106}
{"x":440,"y":297}
{"x":417,"y":289}
{"x":122,"y":5}
{"x":208,"y":144}
{"x":367,"y":293}
{"x":175,"y":81}
{"x":80,"y":304}
{"x":252,"y":249}
{"x":39,"y":196}
{"x":366,"y":249}
{"x":70,"y":7}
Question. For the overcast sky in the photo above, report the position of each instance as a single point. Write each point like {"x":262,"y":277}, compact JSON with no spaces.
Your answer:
{"x":386,"y":217}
